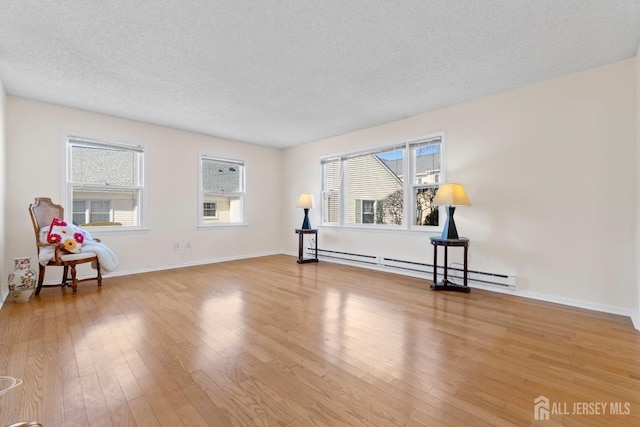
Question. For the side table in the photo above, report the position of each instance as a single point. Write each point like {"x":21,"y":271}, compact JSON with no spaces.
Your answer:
{"x":301,"y":233}
{"x":446,"y":285}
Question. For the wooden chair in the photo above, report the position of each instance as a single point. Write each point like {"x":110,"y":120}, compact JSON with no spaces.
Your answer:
{"x":42,"y":211}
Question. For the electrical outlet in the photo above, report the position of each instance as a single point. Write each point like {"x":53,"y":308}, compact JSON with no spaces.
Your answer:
{"x":176,"y":246}
{"x":187,"y":245}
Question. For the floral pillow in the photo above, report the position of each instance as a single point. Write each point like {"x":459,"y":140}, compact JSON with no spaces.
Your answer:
{"x":66,"y":235}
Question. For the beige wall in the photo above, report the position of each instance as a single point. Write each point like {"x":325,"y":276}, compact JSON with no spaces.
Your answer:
{"x":549,"y":169}
{"x":34,"y":146}
{"x":4,"y":270}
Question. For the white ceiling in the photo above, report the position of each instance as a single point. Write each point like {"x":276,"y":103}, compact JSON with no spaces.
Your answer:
{"x":281,"y":73}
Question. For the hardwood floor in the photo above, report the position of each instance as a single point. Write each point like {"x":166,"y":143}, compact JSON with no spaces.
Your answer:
{"x":267,"y":341}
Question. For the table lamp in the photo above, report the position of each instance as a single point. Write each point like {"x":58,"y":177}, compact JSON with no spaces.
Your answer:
{"x":306,"y":202}
{"x":451,"y":195}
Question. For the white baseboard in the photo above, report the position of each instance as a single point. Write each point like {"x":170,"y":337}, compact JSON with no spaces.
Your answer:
{"x":636,"y":320}
{"x":588,"y":305}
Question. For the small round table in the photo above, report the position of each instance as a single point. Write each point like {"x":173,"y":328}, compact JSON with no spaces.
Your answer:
{"x":301,"y":232}
{"x":446,"y":285}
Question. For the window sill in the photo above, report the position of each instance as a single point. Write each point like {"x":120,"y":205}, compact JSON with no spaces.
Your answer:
{"x":114,"y":230}
{"x":226,"y":225}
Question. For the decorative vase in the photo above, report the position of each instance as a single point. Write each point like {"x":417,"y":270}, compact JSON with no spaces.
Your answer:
{"x":22,"y":282}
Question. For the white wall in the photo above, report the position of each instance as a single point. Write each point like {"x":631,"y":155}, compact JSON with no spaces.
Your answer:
{"x":4,"y":270}
{"x":34,"y":147}
{"x":550,"y":171}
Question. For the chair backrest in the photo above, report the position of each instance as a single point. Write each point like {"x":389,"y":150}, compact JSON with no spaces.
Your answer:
{"x":42,"y":211}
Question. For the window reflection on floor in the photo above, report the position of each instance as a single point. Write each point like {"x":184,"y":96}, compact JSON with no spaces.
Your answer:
{"x":359,"y":328}
{"x":222,"y":318}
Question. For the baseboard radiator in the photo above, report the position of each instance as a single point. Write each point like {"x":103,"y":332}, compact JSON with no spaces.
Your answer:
{"x":419,"y":269}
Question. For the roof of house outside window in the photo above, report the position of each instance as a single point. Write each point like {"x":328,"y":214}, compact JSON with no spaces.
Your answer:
{"x":104,"y":167}
{"x":426,"y":162}
{"x":220,"y":177}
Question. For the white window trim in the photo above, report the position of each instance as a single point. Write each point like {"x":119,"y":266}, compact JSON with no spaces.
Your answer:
{"x":65,"y":189}
{"x":411,"y":187}
{"x":328,"y":192}
{"x":243,"y":194}
{"x":408,"y":189}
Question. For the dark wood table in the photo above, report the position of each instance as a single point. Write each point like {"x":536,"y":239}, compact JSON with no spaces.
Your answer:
{"x":301,"y":233}
{"x":446,"y":284}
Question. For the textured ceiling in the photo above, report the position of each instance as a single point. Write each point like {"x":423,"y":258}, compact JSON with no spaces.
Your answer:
{"x":282,"y":73}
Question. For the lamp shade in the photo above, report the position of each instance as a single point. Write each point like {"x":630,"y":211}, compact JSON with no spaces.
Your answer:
{"x":306,"y":201}
{"x":451,"y":195}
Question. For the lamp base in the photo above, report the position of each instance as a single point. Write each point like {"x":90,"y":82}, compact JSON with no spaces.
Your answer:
{"x":449,"y":231}
{"x":306,"y":224}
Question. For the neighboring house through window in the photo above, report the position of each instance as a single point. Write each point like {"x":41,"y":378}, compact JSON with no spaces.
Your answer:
{"x":426,"y":158}
{"x":369,"y":211}
{"x":371,"y":187}
{"x":104,"y":183}
{"x":210,"y":210}
{"x":331,"y":191}
{"x":92,"y":211}
{"x":222,"y":191}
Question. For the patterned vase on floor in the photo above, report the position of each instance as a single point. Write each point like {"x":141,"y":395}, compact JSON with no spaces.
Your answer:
{"x":22,"y":282}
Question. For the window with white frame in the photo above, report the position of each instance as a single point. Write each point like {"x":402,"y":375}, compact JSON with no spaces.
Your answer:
{"x":331,"y":191}
{"x":222,"y":191}
{"x":389,"y":187}
{"x":92,"y":211}
{"x":366,"y":211}
{"x":104,"y":182}
{"x":426,"y":160}
{"x":210,"y":210}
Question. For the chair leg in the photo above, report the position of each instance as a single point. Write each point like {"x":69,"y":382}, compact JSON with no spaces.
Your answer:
{"x":41,"y":270}
{"x":65,"y":274}
{"x":74,"y":282}
{"x":99,"y":275}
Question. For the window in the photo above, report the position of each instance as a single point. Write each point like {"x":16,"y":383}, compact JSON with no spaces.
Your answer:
{"x":368,"y":212}
{"x":222,"y":191}
{"x":376,"y":187}
{"x":331,"y":191}
{"x":210,"y":210}
{"x":426,"y":160}
{"x":104,"y":183}
{"x":92,"y":211}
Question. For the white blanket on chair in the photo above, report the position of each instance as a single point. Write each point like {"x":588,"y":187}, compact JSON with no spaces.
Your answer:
{"x":107,"y":258}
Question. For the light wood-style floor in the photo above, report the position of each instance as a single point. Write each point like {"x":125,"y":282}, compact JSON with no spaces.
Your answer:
{"x":266,"y":341}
